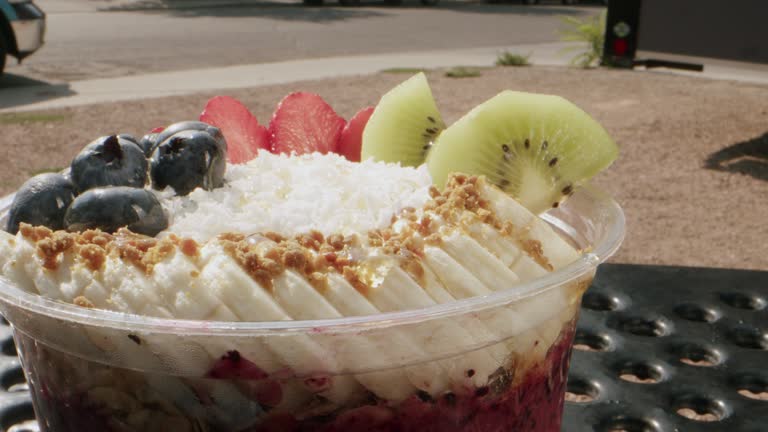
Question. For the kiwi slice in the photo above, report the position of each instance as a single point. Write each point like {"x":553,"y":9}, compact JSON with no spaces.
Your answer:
{"x":404,"y":124}
{"x":537,"y":148}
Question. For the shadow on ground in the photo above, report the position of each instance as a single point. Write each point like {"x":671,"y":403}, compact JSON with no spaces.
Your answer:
{"x":17,"y":90}
{"x":296,"y":11}
{"x":749,"y":158}
{"x":274,"y":10}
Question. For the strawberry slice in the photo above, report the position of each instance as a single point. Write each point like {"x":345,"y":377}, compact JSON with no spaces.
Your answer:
{"x":351,"y":140}
{"x":232,"y":365}
{"x":304,"y":123}
{"x":244,"y":135}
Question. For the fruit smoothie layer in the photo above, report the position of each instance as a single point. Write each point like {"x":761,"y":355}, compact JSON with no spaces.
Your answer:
{"x":225,"y":220}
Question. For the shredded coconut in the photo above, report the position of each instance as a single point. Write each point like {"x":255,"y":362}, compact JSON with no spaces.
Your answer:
{"x":295,"y":194}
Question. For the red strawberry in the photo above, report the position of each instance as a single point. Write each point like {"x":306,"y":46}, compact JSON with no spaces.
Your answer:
{"x":351,"y":140}
{"x":244,"y":135}
{"x":304,"y":123}
{"x":233,"y":366}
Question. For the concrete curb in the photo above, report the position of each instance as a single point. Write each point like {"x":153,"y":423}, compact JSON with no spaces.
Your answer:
{"x":194,"y":81}
{"x":77,"y":93}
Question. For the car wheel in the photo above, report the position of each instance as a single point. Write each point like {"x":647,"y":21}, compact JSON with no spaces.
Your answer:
{"x":430,"y":2}
{"x":530,"y":2}
{"x":313,"y":2}
{"x":393,"y":2}
{"x":570,"y":2}
{"x":349,"y":2}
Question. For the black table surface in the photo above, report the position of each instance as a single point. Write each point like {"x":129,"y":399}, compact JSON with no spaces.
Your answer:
{"x":655,"y":346}
{"x":671,"y":349}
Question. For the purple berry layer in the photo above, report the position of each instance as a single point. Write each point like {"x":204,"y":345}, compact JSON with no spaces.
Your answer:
{"x":119,"y":400}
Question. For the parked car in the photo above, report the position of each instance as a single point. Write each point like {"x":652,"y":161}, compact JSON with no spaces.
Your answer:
{"x":22,"y":29}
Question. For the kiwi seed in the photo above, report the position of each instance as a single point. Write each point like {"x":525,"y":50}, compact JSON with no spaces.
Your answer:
{"x":553,"y":162}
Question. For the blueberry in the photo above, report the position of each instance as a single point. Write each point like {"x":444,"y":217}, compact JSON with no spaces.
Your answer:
{"x":148,"y":143}
{"x":191,"y":126}
{"x":111,"y":208}
{"x":188,"y":160}
{"x":109,"y":161}
{"x":41,"y":200}
{"x":128,"y":137}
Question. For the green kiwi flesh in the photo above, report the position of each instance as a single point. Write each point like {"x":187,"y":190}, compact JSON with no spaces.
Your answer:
{"x":404,"y":124}
{"x":537,"y":148}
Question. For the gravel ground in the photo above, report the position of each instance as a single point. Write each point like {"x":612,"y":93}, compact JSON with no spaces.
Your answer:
{"x":692,"y":175}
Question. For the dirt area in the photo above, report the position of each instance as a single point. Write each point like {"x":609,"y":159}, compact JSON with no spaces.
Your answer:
{"x":692,"y":175}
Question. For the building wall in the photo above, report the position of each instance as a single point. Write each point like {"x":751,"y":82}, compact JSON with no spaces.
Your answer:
{"x":725,"y":29}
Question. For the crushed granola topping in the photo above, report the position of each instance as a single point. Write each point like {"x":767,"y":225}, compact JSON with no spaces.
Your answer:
{"x":189,"y":247}
{"x":93,"y":256}
{"x":34,"y":233}
{"x":83,"y":302}
{"x":51,"y":247}
{"x":265,"y":256}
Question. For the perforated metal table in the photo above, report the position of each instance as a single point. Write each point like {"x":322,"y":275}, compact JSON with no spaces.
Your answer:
{"x":655,"y":346}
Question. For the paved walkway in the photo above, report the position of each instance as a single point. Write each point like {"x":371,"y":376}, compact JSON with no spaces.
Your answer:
{"x":38,"y":97}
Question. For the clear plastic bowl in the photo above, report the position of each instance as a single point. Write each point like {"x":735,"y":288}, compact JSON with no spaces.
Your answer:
{"x":497,"y":362}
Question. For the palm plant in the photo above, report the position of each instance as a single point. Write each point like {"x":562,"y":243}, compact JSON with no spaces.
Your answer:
{"x":590,"y":30}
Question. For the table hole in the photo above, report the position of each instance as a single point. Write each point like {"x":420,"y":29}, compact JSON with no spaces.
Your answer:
{"x":698,"y":355}
{"x":752,"y":386}
{"x":749,"y":337}
{"x":586,"y":341}
{"x":743,"y":301}
{"x":623,"y":423}
{"x":641,"y":373}
{"x":9,"y":347}
{"x":700,"y":408}
{"x":600,"y":301}
{"x":642,"y":326}
{"x":27,"y":426}
{"x":579,"y":390}
{"x":694,"y":312}
{"x":13,"y":379}
{"x":17,"y":415}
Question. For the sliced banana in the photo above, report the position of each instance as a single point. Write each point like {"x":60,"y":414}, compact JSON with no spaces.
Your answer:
{"x":399,"y":346}
{"x":251,"y":302}
{"x":479,"y":331}
{"x":399,"y":291}
{"x":555,"y":248}
{"x":303,"y":302}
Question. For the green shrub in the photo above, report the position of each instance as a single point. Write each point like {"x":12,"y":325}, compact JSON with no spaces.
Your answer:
{"x":462,"y":72}
{"x":590,"y":30}
{"x":507,"y":58}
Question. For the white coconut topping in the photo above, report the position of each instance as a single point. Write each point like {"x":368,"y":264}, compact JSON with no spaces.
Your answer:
{"x":296,"y":194}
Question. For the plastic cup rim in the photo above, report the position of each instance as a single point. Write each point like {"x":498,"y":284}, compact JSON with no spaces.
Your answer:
{"x":607,"y":245}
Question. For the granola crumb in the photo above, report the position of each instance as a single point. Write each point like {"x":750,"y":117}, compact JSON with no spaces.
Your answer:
{"x":189,"y":247}
{"x":83,"y":302}
{"x":55,"y":244}
{"x":93,"y":256}
{"x":34,"y":233}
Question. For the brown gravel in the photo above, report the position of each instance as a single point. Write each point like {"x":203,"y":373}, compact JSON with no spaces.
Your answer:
{"x":692,"y":176}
